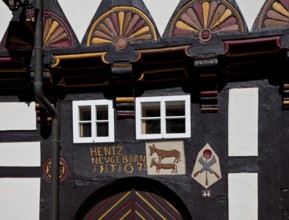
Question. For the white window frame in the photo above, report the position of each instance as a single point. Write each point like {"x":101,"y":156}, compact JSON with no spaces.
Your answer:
{"x":162,"y":100}
{"x":93,"y":138}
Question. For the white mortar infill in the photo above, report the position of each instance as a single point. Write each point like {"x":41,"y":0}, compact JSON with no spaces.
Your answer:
{"x":243,"y":196}
{"x":243,"y":122}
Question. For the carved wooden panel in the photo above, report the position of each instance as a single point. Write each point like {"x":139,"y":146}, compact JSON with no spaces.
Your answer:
{"x":274,"y":14}
{"x":120,"y":26}
{"x":203,"y":19}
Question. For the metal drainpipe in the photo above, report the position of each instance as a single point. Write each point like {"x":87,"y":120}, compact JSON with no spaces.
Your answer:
{"x":38,"y":91}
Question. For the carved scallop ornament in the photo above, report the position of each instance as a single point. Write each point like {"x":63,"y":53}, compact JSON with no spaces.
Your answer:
{"x":274,"y":14}
{"x":55,"y":32}
{"x":204,"y":19}
{"x":120,"y":26}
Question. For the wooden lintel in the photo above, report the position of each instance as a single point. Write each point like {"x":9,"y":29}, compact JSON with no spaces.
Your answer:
{"x":252,"y":46}
{"x":58,"y":58}
{"x":124,"y":99}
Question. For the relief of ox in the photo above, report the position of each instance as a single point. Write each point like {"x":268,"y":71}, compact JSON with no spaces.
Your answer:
{"x":166,"y":166}
{"x":165,"y":153}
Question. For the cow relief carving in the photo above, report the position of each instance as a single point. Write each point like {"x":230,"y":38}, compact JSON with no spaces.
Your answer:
{"x":165,"y":158}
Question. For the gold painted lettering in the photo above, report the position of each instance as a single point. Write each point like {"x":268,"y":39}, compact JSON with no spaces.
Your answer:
{"x":106,"y":159}
{"x":107,"y":151}
{"x":135,"y":158}
{"x":94,"y":160}
{"x":94,"y":169}
{"x":112,"y":167}
{"x":99,"y":152}
{"x":128,"y":168}
{"x":119,"y":150}
{"x":100,"y":169}
{"x":124,"y":159}
{"x":100,"y":160}
{"x":112,"y":159}
{"x":140,"y":166}
{"x":113,"y":150}
{"x":142,"y":158}
{"x":93,"y":151}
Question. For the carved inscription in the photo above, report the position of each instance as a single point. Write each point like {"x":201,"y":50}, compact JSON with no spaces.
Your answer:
{"x":112,"y":159}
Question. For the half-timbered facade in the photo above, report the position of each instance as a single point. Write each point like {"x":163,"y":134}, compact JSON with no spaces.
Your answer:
{"x":130,"y":111}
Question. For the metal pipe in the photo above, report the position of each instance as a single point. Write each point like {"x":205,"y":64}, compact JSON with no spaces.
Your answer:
{"x":38,"y":91}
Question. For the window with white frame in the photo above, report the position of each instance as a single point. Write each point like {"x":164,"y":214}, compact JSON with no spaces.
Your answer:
{"x":93,"y":121}
{"x":163,"y":117}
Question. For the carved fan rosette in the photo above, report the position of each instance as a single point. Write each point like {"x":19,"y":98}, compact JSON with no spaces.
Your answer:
{"x":120,"y":26}
{"x":55,"y":31}
{"x":274,"y":14}
{"x":203,"y":19}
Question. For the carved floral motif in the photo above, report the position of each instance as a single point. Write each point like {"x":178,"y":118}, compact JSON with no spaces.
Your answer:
{"x":206,"y":18}
{"x":274,"y":14}
{"x":55,"y":32}
{"x":120,"y":26}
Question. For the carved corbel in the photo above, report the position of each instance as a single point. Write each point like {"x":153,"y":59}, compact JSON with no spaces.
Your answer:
{"x":207,"y":70}
{"x":123,"y":87}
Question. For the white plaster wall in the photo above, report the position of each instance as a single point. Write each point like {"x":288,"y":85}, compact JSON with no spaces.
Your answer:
{"x":250,"y":10}
{"x":243,"y":122}
{"x":243,"y":196}
{"x":20,"y":154}
{"x":161,"y":11}
{"x":19,"y":198}
{"x":79,"y":15}
{"x":17,"y":116}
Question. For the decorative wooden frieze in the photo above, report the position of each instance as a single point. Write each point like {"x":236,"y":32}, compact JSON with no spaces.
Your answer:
{"x":14,"y":72}
{"x":120,"y":26}
{"x":206,"y":18}
{"x":80,"y":70}
{"x":123,"y":86}
{"x":162,"y":65}
{"x":207,"y":73}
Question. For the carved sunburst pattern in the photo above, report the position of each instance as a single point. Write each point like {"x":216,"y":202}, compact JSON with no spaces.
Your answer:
{"x":274,"y":14}
{"x":120,"y":26}
{"x":206,"y":18}
{"x":55,"y":32}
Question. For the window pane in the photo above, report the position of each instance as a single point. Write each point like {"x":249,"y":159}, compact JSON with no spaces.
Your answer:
{"x":151,"y":109}
{"x":176,"y":108}
{"x":175,"y":125}
{"x":85,"y":130}
{"x":151,"y":126}
{"x":84,"y":113}
{"x":102,"y":112}
{"x":102,"y":129}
